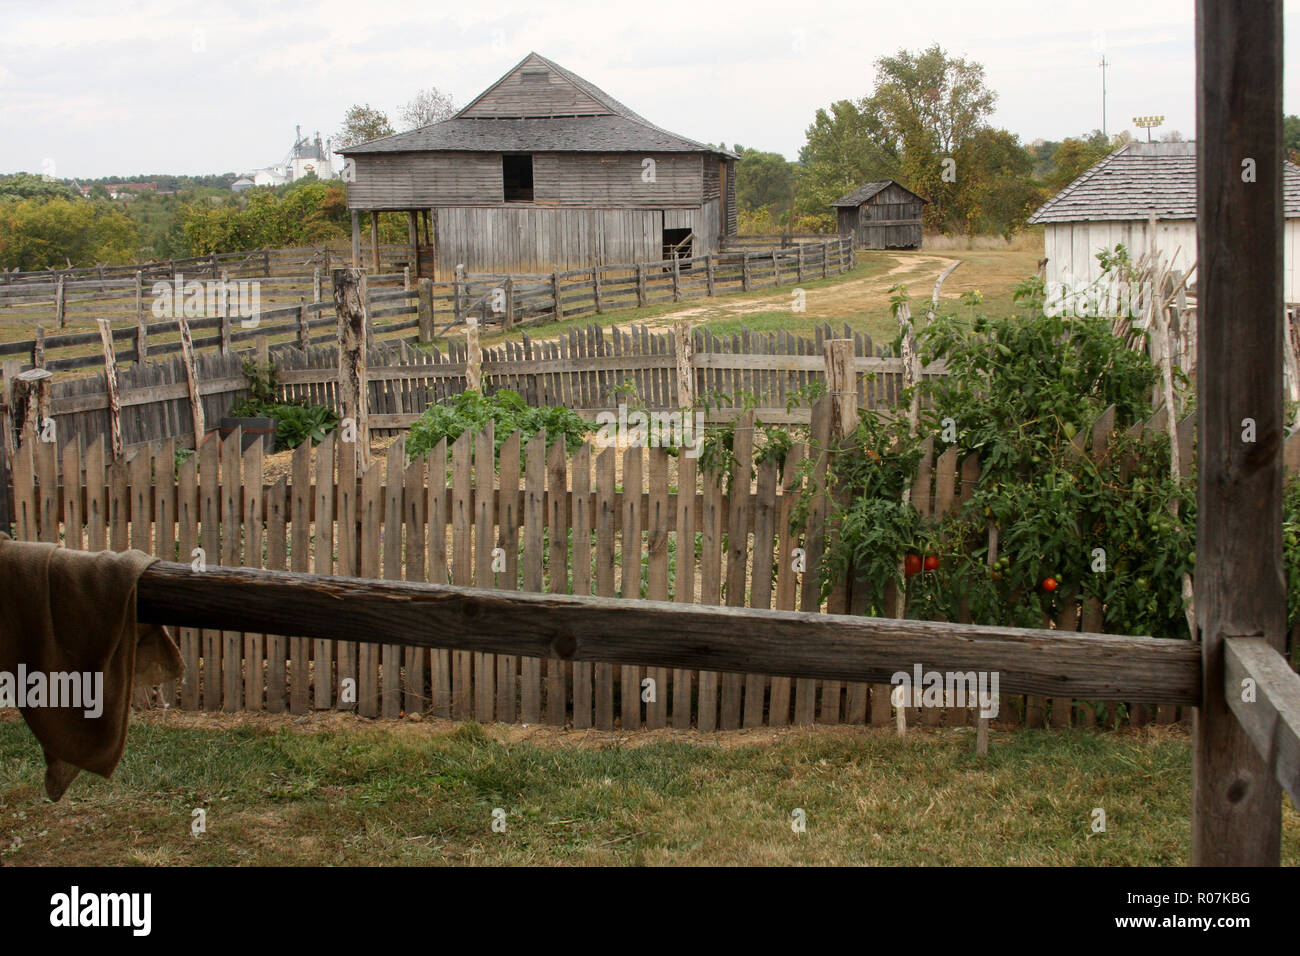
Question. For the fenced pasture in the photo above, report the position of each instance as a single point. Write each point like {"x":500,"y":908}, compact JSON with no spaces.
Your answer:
{"x":627,"y":522}
{"x":51,"y":319}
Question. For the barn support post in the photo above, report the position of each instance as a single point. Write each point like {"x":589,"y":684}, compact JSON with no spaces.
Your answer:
{"x":1236,"y":802}
{"x":374,"y":242}
{"x":425,"y":309}
{"x":356,"y":239}
{"x":354,"y":401}
{"x":412,"y":235}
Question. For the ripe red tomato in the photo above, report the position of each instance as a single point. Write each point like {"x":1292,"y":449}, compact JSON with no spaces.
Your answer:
{"x":912,"y":565}
{"x":1049,"y":584}
{"x":931,"y":562}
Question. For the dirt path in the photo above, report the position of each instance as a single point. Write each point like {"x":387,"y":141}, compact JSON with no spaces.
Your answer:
{"x":836,"y":299}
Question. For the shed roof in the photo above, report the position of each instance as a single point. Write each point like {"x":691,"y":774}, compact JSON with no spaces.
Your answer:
{"x":598,"y":123}
{"x":868,"y":190}
{"x":1142,"y":179}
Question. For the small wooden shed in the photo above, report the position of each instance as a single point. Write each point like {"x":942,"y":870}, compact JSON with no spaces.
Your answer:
{"x":881,"y":215}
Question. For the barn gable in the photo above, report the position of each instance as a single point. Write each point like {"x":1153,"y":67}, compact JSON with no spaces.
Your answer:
{"x":534,"y":89}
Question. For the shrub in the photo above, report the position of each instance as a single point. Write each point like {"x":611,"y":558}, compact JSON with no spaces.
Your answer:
{"x":509,"y":413}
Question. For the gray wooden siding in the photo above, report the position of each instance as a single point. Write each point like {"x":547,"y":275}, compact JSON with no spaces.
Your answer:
{"x":731,"y":223}
{"x":712,"y":177}
{"x":420,"y":180}
{"x":550,"y":96}
{"x":539,"y":238}
{"x":602,"y":179}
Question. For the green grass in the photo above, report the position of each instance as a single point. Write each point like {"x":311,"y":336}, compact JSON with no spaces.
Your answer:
{"x":338,"y":790}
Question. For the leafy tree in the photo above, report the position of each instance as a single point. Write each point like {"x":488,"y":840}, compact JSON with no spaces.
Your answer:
{"x":427,"y":106}
{"x":764,"y":180}
{"x":51,"y":233}
{"x":998,"y":192}
{"x":1075,"y":157}
{"x":30,"y":186}
{"x":361,"y":124}
{"x":1291,"y":137}
{"x":845,"y":148}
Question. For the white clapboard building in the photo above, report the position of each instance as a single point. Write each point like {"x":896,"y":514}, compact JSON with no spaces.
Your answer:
{"x":1113,"y":202}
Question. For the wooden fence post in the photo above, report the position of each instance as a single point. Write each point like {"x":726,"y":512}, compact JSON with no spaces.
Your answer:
{"x":9,"y":370}
{"x":508,"y":290}
{"x":458,"y":293}
{"x":315,"y":284}
{"x":406,"y":278}
{"x":304,"y":329}
{"x":682,"y":348}
{"x":677,"y":279}
{"x":192,"y":382}
{"x":213,"y":261}
{"x":744,"y":271}
{"x":60,"y":304}
{"x":1240,"y":587}
{"x":555,"y":291}
{"x":223,"y":311}
{"x":801,"y":255}
{"x":474,"y":356}
{"x":354,"y":400}
{"x":776,"y":267}
{"x":708,"y":272}
{"x":595,"y":284}
{"x":111,"y":380}
{"x":266,"y":263}
{"x":425,"y":307}
{"x":374,"y":242}
{"x":363,"y":284}
{"x":356,"y":239}
{"x":825,"y":256}
{"x":141,"y":326}
{"x":841,"y":385}
{"x":640,"y":285}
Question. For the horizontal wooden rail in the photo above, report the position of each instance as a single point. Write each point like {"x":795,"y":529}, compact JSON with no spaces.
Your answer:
{"x":1271,"y":717}
{"x":661,"y":634}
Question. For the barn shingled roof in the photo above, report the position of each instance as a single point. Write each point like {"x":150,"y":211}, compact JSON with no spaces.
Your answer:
{"x":867,"y":190}
{"x":618,"y":130}
{"x":1140,"y":179}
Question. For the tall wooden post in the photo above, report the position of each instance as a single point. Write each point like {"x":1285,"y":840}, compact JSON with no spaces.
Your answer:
{"x":1240,"y":587}
{"x":356,"y":239}
{"x":708,"y":272}
{"x":595,"y":286}
{"x":60,"y":304}
{"x":141,"y":326}
{"x":110,"y":381}
{"x":192,"y":382}
{"x":458,"y":294}
{"x":350,"y":306}
{"x":304,"y":329}
{"x":374,"y":242}
{"x":640,"y":285}
{"x":555,"y":292}
{"x":425,"y":310}
{"x":473,"y":356}
{"x":682,"y":349}
{"x":413,"y":237}
{"x":508,"y":290}
{"x":315,"y":284}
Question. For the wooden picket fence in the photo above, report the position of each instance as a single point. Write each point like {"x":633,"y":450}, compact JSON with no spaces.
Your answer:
{"x":589,"y":370}
{"x":630,"y":522}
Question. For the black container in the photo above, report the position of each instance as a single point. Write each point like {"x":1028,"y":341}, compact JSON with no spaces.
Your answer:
{"x":254,"y":430}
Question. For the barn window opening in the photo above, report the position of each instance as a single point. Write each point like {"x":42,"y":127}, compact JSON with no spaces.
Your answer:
{"x":677,"y":244}
{"x":517,"y":177}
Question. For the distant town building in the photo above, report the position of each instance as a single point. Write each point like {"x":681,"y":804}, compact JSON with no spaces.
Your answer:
{"x":120,"y":190}
{"x":242,"y":185}
{"x":307,"y":156}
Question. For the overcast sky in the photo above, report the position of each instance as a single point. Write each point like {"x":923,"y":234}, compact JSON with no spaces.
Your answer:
{"x":104,"y":88}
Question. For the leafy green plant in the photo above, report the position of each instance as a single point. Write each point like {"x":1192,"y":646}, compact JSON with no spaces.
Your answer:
{"x":296,"y":422}
{"x":508,"y":412}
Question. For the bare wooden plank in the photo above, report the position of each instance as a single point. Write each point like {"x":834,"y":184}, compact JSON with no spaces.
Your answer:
{"x":710,"y":589}
{"x":439,"y":658}
{"x":507,"y":697}
{"x":254,"y":644}
{"x":325,"y":652}
{"x":557,"y":521}
{"x":684,"y":583}
{"x":394,"y":519}
{"x":630,"y":584}
{"x":1263,"y":693}
{"x":462,"y":567}
{"x":606,"y":519}
{"x":657,"y":520}
{"x":187,"y":539}
{"x":348,"y":540}
{"x":738,"y":553}
{"x":414,"y":501}
{"x":277,"y":646}
{"x":485,"y":539}
{"x":232,"y":642}
{"x":656,"y":633}
{"x":530,"y":679}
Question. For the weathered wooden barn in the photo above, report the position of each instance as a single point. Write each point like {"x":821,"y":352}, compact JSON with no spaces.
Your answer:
{"x":1113,"y":202}
{"x":881,"y":215}
{"x":544,"y":171}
